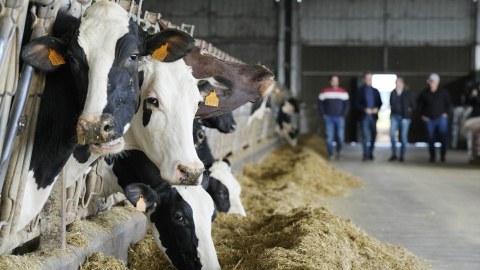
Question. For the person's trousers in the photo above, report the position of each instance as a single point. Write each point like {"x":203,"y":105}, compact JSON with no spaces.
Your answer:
{"x":398,"y":122}
{"x":334,"y":125}
{"x":437,"y":126}
{"x":369,"y":134}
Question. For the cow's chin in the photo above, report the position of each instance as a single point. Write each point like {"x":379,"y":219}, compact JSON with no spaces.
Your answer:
{"x":111,"y":147}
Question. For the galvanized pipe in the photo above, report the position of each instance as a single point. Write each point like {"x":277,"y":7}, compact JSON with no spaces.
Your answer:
{"x":16,"y":112}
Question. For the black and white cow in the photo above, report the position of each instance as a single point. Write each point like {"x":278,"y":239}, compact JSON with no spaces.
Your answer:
{"x":284,"y":126}
{"x":180,"y":216}
{"x":77,"y":86}
{"x":102,"y":52}
{"x":223,"y":186}
{"x":259,"y":109}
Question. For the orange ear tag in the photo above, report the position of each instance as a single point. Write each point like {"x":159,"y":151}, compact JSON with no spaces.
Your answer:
{"x":212,"y":99}
{"x":160,"y":53}
{"x":55,"y":58}
{"x":141,"y":206}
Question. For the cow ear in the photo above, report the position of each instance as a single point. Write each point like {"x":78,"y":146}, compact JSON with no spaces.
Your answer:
{"x":227,"y":161}
{"x":223,"y":87}
{"x":135,"y":190}
{"x":179,"y":44}
{"x":45,"y":53}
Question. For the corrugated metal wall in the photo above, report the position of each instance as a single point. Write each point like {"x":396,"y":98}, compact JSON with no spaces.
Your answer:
{"x":378,"y":22}
{"x":245,"y":29}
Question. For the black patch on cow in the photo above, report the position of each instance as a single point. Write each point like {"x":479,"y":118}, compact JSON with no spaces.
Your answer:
{"x":219,"y":193}
{"x":82,"y":153}
{"x":224,"y":123}
{"x":202,"y":148}
{"x":55,"y":134}
{"x":147,"y":113}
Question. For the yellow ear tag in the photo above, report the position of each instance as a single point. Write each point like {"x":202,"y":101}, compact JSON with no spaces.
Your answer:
{"x":160,"y":53}
{"x":141,"y":206}
{"x":277,"y":91}
{"x":212,"y":99}
{"x":55,"y":58}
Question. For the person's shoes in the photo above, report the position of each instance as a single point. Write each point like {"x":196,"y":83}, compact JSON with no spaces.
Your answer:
{"x":401,"y":159}
{"x":432,"y":159}
{"x":392,"y":158}
{"x":364,"y":158}
{"x":338,"y":156}
{"x":442,"y":158}
{"x":371,"y":157}
{"x":330,"y":157}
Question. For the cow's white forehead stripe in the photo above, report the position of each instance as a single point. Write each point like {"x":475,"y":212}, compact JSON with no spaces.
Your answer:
{"x":104,"y":24}
{"x":202,"y":208}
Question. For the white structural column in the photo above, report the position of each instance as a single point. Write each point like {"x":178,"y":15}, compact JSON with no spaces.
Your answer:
{"x":295,"y":47}
{"x":477,"y":39}
{"x":281,"y":43}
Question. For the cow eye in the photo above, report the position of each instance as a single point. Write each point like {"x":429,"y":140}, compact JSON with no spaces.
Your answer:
{"x":153,"y":101}
{"x":178,"y":216}
{"x":134,"y":57}
{"x":200,"y":135}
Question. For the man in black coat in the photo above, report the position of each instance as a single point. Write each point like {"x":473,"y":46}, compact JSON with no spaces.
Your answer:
{"x":368,"y":102}
{"x":434,"y":106}
{"x":402,"y":104}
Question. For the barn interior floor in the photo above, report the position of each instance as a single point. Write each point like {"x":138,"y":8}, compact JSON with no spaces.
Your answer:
{"x":431,"y":209}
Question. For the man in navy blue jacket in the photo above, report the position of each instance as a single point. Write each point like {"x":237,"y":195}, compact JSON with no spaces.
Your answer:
{"x":333,"y":105}
{"x":368,"y":102}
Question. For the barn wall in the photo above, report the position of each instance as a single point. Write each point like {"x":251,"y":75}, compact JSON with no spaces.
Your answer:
{"x":410,"y":38}
{"x":245,"y":29}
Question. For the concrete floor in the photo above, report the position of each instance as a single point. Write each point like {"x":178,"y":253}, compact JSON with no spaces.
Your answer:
{"x":433,"y":210}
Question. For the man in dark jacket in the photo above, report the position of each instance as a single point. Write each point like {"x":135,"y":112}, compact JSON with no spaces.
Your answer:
{"x":333,"y":105}
{"x":434,"y":106}
{"x":474,"y":101}
{"x":368,"y":102}
{"x":402,"y":104}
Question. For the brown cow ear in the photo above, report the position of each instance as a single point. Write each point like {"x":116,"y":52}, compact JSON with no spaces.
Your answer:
{"x":45,"y":53}
{"x":169,"y":45}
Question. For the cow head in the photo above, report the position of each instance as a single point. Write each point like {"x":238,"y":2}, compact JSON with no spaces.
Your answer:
{"x":235,"y":84}
{"x":162,"y":127}
{"x":224,"y":123}
{"x":180,"y":218}
{"x":102,"y":52}
{"x":225,"y":189}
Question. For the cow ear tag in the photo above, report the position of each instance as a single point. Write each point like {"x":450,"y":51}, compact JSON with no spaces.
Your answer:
{"x":212,"y":99}
{"x":55,"y":58}
{"x":141,"y":206}
{"x":160,"y":53}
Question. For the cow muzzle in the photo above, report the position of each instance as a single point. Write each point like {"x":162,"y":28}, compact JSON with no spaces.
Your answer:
{"x":189,"y":174}
{"x":99,"y":132}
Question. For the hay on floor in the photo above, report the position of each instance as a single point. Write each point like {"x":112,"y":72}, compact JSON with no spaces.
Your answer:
{"x":97,"y":261}
{"x":286,"y":226}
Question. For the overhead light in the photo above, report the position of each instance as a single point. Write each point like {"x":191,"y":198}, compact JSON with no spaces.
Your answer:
{"x":299,"y":1}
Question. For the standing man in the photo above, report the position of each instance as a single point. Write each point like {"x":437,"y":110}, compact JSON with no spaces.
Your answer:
{"x":368,"y":102}
{"x":434,"y":105}
{"x":402,"y":104}
{"x":333,"y":105}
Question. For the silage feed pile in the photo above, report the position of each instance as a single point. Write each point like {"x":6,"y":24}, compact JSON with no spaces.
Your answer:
{"x":286,"y":226}
{"x":97,"y":261}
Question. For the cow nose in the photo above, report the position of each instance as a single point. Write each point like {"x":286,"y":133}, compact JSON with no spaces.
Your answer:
{"x":91,"y":130}
{"x":189,"y":174}
{"x":233,"y":127}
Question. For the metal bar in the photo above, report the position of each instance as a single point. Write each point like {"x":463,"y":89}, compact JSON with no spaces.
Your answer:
{"x":16,"y":112}
{"x":403,"y":73}
{"x":281,"y":43}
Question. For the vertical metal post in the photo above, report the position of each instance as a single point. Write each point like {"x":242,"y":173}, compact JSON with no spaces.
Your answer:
{"x":281,"y":43}
{"x":476,"y":41}
{"x":16,"y":112}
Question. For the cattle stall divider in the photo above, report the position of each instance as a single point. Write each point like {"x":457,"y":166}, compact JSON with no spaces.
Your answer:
{"x":74,"y":199}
